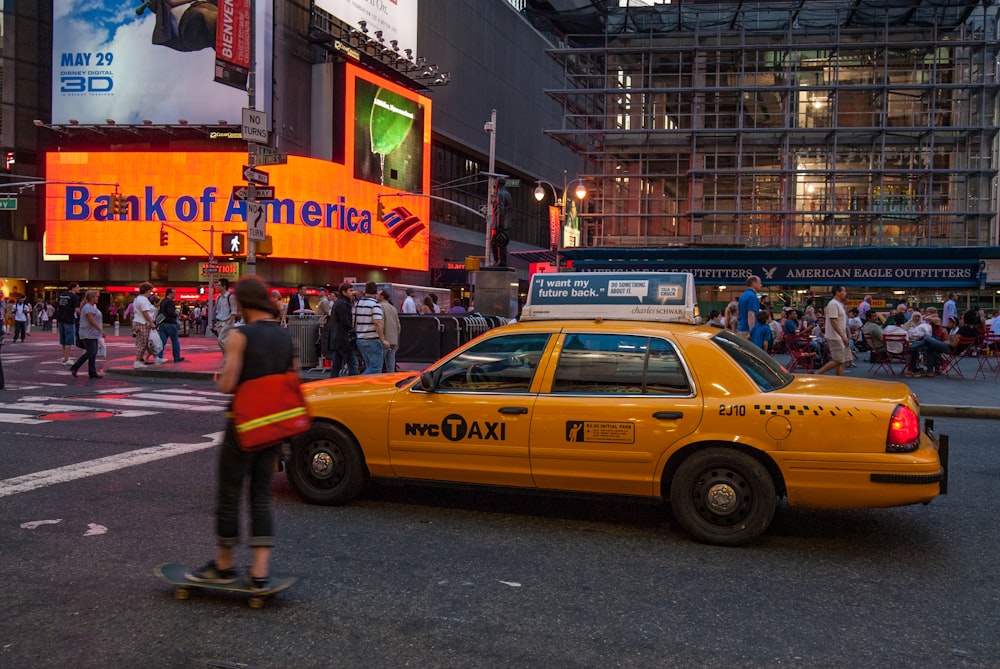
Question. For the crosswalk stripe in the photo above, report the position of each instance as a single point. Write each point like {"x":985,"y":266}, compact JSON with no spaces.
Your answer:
{"x":28,"y":482}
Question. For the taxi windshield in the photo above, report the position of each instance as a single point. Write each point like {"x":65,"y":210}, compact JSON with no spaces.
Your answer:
{"x":765,"y":372}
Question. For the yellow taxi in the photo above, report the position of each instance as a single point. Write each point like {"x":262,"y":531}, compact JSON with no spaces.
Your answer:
{"x":608,"y":385}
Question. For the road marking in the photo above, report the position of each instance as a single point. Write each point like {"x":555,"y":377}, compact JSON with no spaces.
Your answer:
{"x":29,"y":482}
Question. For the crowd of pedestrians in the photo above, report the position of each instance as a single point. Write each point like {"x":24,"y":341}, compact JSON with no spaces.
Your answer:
{"x":835,"y":336}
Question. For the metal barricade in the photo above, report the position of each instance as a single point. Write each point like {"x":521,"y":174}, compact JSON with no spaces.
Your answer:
{"x":426,"y":338}
{"x":304,"y":329}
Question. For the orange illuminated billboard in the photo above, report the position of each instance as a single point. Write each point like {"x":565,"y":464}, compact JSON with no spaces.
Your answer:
{"x":320,"y":212}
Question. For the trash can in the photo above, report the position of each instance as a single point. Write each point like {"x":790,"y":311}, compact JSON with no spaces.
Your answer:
{"x":304,"y":329}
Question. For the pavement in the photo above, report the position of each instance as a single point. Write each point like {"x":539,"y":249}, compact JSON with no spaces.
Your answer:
{"x":940,"y":396}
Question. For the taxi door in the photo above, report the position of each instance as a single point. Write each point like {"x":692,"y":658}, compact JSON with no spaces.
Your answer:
{"x":474,"y":425}
{"x":614,"y":405}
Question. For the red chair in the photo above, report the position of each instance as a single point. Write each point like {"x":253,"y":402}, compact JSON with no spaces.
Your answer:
{"x":950,"y":362}
{"x":902,"y":358}
{"x":989,"y":355}
{"x":800,"y":355}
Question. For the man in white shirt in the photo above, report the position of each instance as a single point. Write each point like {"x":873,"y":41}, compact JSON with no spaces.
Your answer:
{"x":409,"y":304}
{"x":225,"y":311}
{"x":836,"y":333}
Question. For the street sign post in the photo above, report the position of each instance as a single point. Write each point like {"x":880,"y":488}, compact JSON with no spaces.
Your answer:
{"x":256,"y":222}
{"x":254,"y":175}
{"x":265,"y":155}
{"x":262,"y":193}
{"x":8,"y":203}
{"x":255,"y":126}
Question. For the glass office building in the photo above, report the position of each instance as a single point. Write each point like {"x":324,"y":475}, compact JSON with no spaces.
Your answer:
{"x":787,"y":124}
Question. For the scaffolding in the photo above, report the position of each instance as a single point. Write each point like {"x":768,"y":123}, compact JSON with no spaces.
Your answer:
{"x":831,"y":123}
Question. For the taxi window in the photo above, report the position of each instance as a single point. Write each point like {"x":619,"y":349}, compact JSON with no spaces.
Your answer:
{"x":619,"y":365}
{"x":506,"y":363}
{"x":766,"y":373}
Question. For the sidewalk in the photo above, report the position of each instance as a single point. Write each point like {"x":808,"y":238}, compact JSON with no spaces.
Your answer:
{"x":963,"y":397}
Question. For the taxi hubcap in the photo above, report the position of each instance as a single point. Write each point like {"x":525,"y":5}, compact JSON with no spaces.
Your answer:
{"x":723,"y":496}
{"x":322,"y":464}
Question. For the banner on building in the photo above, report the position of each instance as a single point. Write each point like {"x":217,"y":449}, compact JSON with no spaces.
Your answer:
{"x":156,"y":63}
{"x":233,"y":34}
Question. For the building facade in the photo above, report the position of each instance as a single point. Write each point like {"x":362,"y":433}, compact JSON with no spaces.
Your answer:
{"x":167,"y":141}
{"x":812,"y":124}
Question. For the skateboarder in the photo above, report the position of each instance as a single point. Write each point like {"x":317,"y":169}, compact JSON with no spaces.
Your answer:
{"x":259,"y":348}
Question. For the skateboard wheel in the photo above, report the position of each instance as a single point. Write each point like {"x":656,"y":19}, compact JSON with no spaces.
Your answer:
{"x":182,"y":593}
{"x":256,"y":602}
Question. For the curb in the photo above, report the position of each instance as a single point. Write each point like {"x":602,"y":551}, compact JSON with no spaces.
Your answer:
{"x":943,"y":411}
{"x":173,"y":374}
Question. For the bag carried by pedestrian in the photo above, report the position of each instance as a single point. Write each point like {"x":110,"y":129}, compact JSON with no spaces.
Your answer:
{"x":155,"y":343}
{"x":269,"y":409}
{"x":102,"y":349}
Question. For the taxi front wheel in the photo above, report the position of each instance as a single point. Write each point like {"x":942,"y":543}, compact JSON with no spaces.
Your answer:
{"x":326,"y":465}
{"x":723,"y":497}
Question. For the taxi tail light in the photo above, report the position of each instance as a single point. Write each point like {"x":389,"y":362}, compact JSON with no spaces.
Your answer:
{"x":904,"y":431}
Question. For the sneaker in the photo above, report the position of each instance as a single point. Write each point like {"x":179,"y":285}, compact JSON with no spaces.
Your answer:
{"x":138,"y":364}
{"x":256,"y":584}
{"x":212,"y":574}
{"x":179,"y":359}
{"x":159,"y":361}
{"x":67,"y":362}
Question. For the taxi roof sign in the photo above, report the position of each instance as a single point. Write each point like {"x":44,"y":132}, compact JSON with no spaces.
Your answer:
{"x":636,"y":296}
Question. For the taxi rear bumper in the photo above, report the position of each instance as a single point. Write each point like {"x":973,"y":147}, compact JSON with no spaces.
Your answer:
{"x":941,"y":478}
{"x":871,"y":480}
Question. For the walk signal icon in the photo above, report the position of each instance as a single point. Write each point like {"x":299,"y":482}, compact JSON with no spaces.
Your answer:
{"x":233,"y":244}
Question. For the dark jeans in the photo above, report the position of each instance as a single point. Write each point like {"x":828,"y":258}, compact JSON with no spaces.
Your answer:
{"x":341,"y":357}
{"x":234,"y":467}
{"x":89,"y":357}
{"x":19,"y":329}
{"x":169,"y":331}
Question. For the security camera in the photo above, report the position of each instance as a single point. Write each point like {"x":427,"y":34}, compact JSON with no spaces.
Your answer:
{"x":488,"y":127}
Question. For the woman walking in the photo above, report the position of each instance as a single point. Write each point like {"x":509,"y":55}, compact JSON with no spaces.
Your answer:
{"x":143,"y":321}
{"x":91,"y":332}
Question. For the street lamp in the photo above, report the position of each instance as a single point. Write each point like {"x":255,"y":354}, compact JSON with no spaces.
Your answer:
{"x":580,"y":192}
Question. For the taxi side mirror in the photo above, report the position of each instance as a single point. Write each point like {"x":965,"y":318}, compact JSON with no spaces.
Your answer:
{"x":428,"y":381}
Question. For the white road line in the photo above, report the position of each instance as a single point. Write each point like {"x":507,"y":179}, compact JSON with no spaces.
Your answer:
{"x":29,"y":482}
{"x":45,"y":407}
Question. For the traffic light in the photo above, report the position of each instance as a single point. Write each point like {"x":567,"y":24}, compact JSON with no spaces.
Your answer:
{"x":380,"y":210}
{"x":164,"y":234}
{"x":112,"y":205}
{"x":266,"y":247}
{"x":122,"y":206}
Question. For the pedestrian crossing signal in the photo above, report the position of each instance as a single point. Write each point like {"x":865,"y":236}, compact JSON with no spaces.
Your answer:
{"x":233,"y":244}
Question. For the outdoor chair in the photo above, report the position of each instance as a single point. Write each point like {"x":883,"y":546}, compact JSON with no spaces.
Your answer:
{"x":800,"y":355}
{"x":950,"y":362}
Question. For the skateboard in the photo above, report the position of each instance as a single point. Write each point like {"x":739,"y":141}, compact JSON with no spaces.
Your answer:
{"x":173,"y":573}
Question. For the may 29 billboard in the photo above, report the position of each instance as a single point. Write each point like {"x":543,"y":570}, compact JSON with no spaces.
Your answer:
{"x":133,"y":60}
{"x":320,"y":211}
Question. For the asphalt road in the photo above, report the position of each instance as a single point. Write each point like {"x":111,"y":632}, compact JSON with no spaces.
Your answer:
{"x":455,"y":577}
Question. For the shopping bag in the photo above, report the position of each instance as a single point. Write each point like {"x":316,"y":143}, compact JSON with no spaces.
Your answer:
{"x":102,"y":349}
{"x":155,"y":343}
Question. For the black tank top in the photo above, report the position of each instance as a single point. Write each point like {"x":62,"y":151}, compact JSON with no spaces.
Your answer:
{"x":269,"y":350}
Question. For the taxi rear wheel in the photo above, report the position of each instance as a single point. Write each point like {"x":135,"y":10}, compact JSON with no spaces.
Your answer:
{"x":326,"y":465}
{"x":722,"y":496}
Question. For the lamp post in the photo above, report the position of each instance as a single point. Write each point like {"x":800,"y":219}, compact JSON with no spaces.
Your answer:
{"x":580,"y":192}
